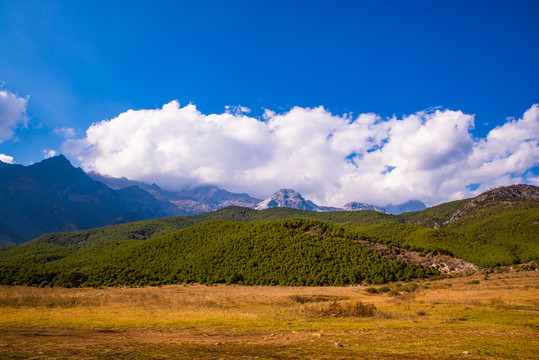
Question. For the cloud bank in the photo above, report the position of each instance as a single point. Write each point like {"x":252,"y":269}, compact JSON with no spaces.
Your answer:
{"x":331,"y":159}
{"x":12,"y":114}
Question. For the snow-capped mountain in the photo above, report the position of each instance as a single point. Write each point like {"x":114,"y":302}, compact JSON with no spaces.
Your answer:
{"x":292,"y":199}
{"x":357,"y":206}
{"x":287,"y":198}
{"x":208,"y":198}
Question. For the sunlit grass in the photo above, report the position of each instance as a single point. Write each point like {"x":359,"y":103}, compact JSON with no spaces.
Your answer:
{"x":493,"y":319}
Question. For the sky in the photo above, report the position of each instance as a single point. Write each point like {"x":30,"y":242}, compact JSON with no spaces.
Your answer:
{"x":370,"y":101}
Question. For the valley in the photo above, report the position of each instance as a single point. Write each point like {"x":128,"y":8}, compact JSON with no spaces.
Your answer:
{"x":455,"y":280}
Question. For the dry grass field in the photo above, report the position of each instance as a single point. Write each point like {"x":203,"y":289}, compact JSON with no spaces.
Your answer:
{"x":468,"y":317}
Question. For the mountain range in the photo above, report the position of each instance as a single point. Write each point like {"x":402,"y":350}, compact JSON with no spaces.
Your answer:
{"x":54,"y":196}
{"x":287,"y":246}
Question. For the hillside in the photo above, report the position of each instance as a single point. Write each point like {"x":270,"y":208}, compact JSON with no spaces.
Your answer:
{"x":498,"y":227}
{"x":265,"y":253}
{"x":147,"y":229}
{"x":500,"y":231}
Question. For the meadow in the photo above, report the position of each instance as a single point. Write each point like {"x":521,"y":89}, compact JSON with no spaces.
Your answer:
{"x":475,"y":317}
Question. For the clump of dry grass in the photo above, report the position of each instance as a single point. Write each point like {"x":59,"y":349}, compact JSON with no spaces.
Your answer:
{"x":338,"y":309}
{"x":303,"y":299}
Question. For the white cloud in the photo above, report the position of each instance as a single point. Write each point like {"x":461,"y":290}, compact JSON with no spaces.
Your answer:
{"x":330,"y":159}
{"x":49,"y":153}
{"x":6,"y":158}
{"x":65,"y":132}
{"x":12,"y":113}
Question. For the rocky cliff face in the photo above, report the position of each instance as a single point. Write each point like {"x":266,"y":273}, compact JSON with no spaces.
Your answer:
{"x":215,"y":198}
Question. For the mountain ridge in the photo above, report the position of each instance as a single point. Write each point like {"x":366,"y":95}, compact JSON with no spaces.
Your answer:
{"x":53,"y":196}
{"x":60,"y":197}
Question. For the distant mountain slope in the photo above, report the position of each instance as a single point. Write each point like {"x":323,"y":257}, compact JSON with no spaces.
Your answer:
{"x":142,"y":203}
{"x":188,"y":201}
{"x":412,"y":205}
{"x":54,"y":196}
{"x":356,"y":206}
{"x":216,"y":198}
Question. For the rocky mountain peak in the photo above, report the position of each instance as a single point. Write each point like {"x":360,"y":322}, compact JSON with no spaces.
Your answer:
{"x":287,"y":198}
{"x":508,"y":193}
{"x":504,"y":194}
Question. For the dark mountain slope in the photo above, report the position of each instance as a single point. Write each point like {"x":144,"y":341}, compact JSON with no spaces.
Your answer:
{"x":54,"y":196}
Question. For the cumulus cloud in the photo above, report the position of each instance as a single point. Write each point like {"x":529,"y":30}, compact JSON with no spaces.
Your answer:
{"x":331,"y":159}
{"x":6,"y":158}
{"x":12,"y":113}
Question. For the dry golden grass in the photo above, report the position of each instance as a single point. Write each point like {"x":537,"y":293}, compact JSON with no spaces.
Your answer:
{"x":492,"y":319}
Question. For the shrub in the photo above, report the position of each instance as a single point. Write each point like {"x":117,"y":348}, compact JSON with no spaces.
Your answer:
{"x":411,"y":287}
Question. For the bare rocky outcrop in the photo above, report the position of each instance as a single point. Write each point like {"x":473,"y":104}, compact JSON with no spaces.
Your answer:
{"x":443,"y":263}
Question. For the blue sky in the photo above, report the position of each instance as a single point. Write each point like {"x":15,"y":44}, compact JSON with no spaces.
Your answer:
{"x":80,"y":62}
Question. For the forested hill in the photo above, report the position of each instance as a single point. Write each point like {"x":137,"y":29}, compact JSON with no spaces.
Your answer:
{"x":498,"y":227}
{"x":279,"y":252}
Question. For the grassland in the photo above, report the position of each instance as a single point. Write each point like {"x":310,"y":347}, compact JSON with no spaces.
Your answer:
{"x":494,"y":318}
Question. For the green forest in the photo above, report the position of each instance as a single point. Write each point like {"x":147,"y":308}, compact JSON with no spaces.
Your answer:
{"x":218,"y":251}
